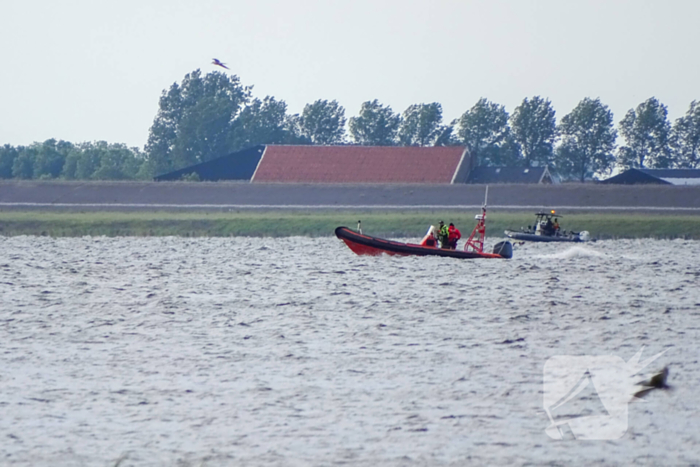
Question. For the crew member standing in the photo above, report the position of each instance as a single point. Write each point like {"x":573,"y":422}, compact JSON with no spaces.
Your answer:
{"x":453,"y":235}
{"x":443,"y":235}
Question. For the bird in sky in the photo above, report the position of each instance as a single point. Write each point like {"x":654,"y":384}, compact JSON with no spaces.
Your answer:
{"x":217,"y":62}
{"x":658,"y":381}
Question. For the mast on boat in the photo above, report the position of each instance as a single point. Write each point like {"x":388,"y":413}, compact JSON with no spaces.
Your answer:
{"x":476,"y":239}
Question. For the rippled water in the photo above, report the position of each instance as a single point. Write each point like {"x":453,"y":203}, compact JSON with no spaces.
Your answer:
{"x":211,"y":351}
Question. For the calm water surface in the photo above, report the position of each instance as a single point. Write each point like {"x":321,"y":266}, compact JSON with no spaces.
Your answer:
{"x":211,"y":351}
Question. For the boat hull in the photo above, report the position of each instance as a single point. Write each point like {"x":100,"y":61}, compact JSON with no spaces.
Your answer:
{"x":530,"y":237}
{"x":373,"y":246}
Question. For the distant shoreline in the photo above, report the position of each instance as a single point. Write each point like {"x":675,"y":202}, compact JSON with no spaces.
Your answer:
{"x":405,"y":223}
{"x":73,"y":208}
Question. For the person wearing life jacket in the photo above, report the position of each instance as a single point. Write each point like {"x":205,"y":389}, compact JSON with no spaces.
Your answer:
{"x":548,"y":228}
{"x":453,"y":235}
{"x":443,"y":235}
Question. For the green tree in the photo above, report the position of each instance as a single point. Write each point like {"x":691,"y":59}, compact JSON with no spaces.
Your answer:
{"x":50,"y":157}
{"x":71,"y":163}
{"x":147,"y":170}
{"x":117,"y":162}
{"x":685,"y":138}
{"x":588,"y":141}
{"x":534,"y":128}
{"x":8,"y":154}
{"x":447,"y":135}
{"x":83,"y":161}
{"x":376,"y":125}
{"x":23,"y":166}
{"x":261,"y":122}
{"x":195,"y":120}
{"x":323,"y":122}
{"x":421,"y":125}
{"x":294,"y":130}
{"x":484,"y":131}
{"x":646,"y":130}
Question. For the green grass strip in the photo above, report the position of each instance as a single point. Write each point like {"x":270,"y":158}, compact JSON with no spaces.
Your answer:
{"x":318,"y":224}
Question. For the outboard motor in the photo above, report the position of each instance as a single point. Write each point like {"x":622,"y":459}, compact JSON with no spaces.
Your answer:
{"x":430,"y":236}
{"x":504,"y":249}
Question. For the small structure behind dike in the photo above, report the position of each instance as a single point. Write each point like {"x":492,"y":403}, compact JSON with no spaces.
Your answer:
{"x":656,"y":177}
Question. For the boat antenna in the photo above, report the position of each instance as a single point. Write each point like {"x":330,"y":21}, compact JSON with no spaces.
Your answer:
{"x":486,"y":198}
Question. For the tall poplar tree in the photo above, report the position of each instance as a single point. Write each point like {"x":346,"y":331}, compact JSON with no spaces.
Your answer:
{"x":323,"y":122}
{"x":685,"y":138}
{"x":421,"y":125}
{"x":588,"y":141}
{"x":376,"y":125}
{"x":262,"y":121}
{"x":534,"y":128}
{"x":646,"y":130}
{"x":195,"y":120}
{"x":484,"y":131}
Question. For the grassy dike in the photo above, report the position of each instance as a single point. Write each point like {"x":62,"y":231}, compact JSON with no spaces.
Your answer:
{"x":392,"y":223}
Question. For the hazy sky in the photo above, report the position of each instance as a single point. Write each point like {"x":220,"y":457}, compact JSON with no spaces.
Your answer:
{"x":87,"y":70}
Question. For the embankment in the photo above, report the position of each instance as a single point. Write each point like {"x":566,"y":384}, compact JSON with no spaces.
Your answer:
{"x":223,"y":209}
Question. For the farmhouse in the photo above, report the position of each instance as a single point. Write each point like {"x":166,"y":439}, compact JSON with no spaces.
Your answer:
{"x":355,"y":164}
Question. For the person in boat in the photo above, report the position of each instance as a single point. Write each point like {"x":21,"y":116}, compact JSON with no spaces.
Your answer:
{"x":443,"y":235}
{"x":453,"y":236}
{"x":556,"y":226}
{"x":549,"y":227}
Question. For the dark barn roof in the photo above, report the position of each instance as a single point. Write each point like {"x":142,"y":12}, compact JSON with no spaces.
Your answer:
{"x":239,"y":165}
{"x":656,"y":176}
{"x":359,"y":164}
{"x":510,"y":175}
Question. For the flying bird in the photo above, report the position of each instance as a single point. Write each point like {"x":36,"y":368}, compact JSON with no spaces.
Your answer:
{"x":217,"y":62}
{"x":658,"y":381}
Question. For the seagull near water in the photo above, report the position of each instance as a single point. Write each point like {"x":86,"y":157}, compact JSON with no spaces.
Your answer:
{"x":217,"y":62}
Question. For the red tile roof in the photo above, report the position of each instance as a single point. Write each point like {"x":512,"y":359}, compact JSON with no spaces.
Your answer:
{"x":358,"y":164}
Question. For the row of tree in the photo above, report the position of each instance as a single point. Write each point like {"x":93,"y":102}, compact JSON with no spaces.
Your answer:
{"x":208,"y":116}
{"x":62,"y":159}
